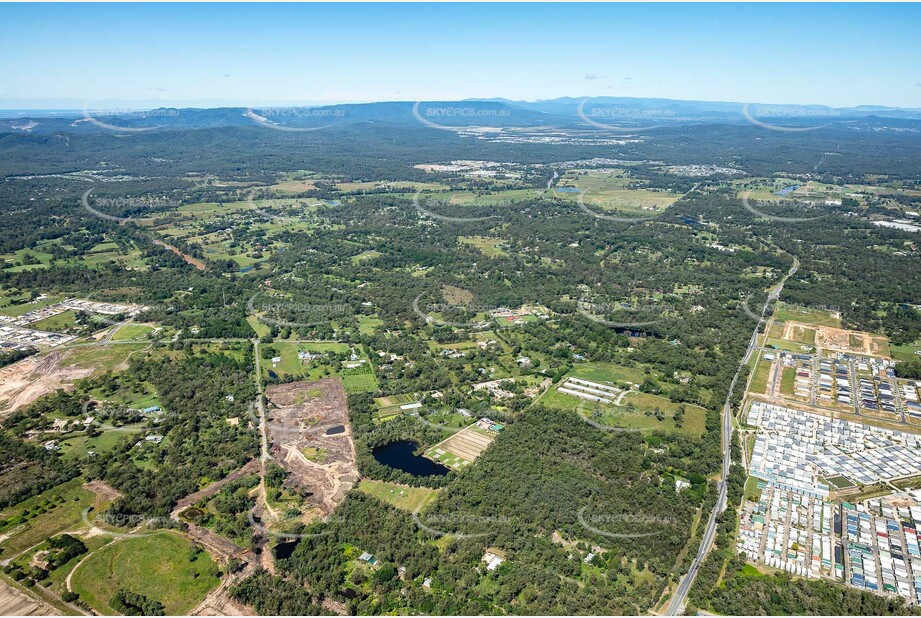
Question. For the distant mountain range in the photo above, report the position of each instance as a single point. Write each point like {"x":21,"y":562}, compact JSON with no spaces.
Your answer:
{"x":614,"y":113}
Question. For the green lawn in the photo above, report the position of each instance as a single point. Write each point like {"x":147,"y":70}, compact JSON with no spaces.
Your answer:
{"x":905,"y":352}
{"x":814,"y":317}
{"x":258,"y":327}
{"x":787,"y":381}
{"x":78,"y":445}
{"x":156,"y":566}
{"x":401,"y":496}
{"x":360,"y":383}
{"x":488,"y":245}
{"x":57,"y":323}
{"x":130,"y":332}
{"x":760,"y":378}
{"x":368,"y":325}
{"x":19,"y":309}
{"x":622,"y":416}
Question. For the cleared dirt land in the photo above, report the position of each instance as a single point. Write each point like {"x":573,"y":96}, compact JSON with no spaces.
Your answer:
{"x":310,"y":436}
{"x":23,"y":382}
{"x":16,"y":603}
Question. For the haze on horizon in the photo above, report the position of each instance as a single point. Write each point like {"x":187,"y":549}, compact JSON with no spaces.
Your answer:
{"x":142,"y":55}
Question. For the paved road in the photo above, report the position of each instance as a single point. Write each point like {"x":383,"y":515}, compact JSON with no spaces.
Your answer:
{"x":679,"y":598}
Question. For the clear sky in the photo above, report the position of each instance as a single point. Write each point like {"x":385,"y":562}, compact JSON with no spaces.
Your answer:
{"x":144,"y":55}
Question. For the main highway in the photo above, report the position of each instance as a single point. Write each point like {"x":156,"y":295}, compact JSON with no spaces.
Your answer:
{"x":679,"y":598}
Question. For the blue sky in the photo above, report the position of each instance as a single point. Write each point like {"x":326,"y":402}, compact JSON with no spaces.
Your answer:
{"x":144,"y":55}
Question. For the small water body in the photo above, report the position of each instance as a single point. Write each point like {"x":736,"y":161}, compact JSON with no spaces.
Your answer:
{"x":248,"y":268}
{"x":334,"y":430}
{"x":567,"y":190}
{"x":786,"y":190}
{"x":402,"y":456}
{"x":273,"y":375}
{"x":691,"y":221}
{"x":284,"y":550}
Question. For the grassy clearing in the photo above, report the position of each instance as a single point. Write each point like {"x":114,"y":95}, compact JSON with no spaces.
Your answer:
{"x":258,"y":327}
{"x":365,"y":255}
{"x":789,"y":346}
{"x":752,"y":491}
{"x":401,"y":496}
{"x":63,"y":506}
{"x":490,"y":247}
{"x":760,"y":377}
{"x":130,"y":332}
{"x":906,"y":352}
{"x":157,"y":566}
{"x":611,"y":190}
{"x":102,"y":358}
{"x":80,"y":444}
{"x":787,"y":380}
{"x":805,"y":315}
{"x":61,"y":322}
{"x":368,"y":325}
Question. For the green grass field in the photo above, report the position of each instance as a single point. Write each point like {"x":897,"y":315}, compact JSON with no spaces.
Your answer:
{"x":365,"y":255}
{"x":790,"y":346}
{"x":261,"y":329}
{"x":156,"y":566}
{"x":79,"y":445}
{"x":102,"y":358}
{"x":368,"y":325}
{"x":131,"y":332}
{"x":814,"y":317}
{"x":905,"y":352}
{"x":760,"y":377}
{"x":61,"y":322}
{"x":401,"y":496}
{"x":487,"y":245}
{"x":787,"y":380}
{"x":611,"y":190}
{"x":360,"y":383}
{"x":621,"y":416}
{"x":63,"y":515}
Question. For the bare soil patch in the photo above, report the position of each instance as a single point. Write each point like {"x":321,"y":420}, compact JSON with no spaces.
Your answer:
{"x":310,"y":436}
{"x":23,"y":382}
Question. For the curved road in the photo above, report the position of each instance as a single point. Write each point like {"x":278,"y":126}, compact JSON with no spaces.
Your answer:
{"x":679,"y":599}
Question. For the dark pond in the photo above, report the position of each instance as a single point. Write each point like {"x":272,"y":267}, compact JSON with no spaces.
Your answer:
{"x":402,"y":456}
{"x":334,"y":430}
{"x":273,"y":375}
{"x":284,"y":550}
